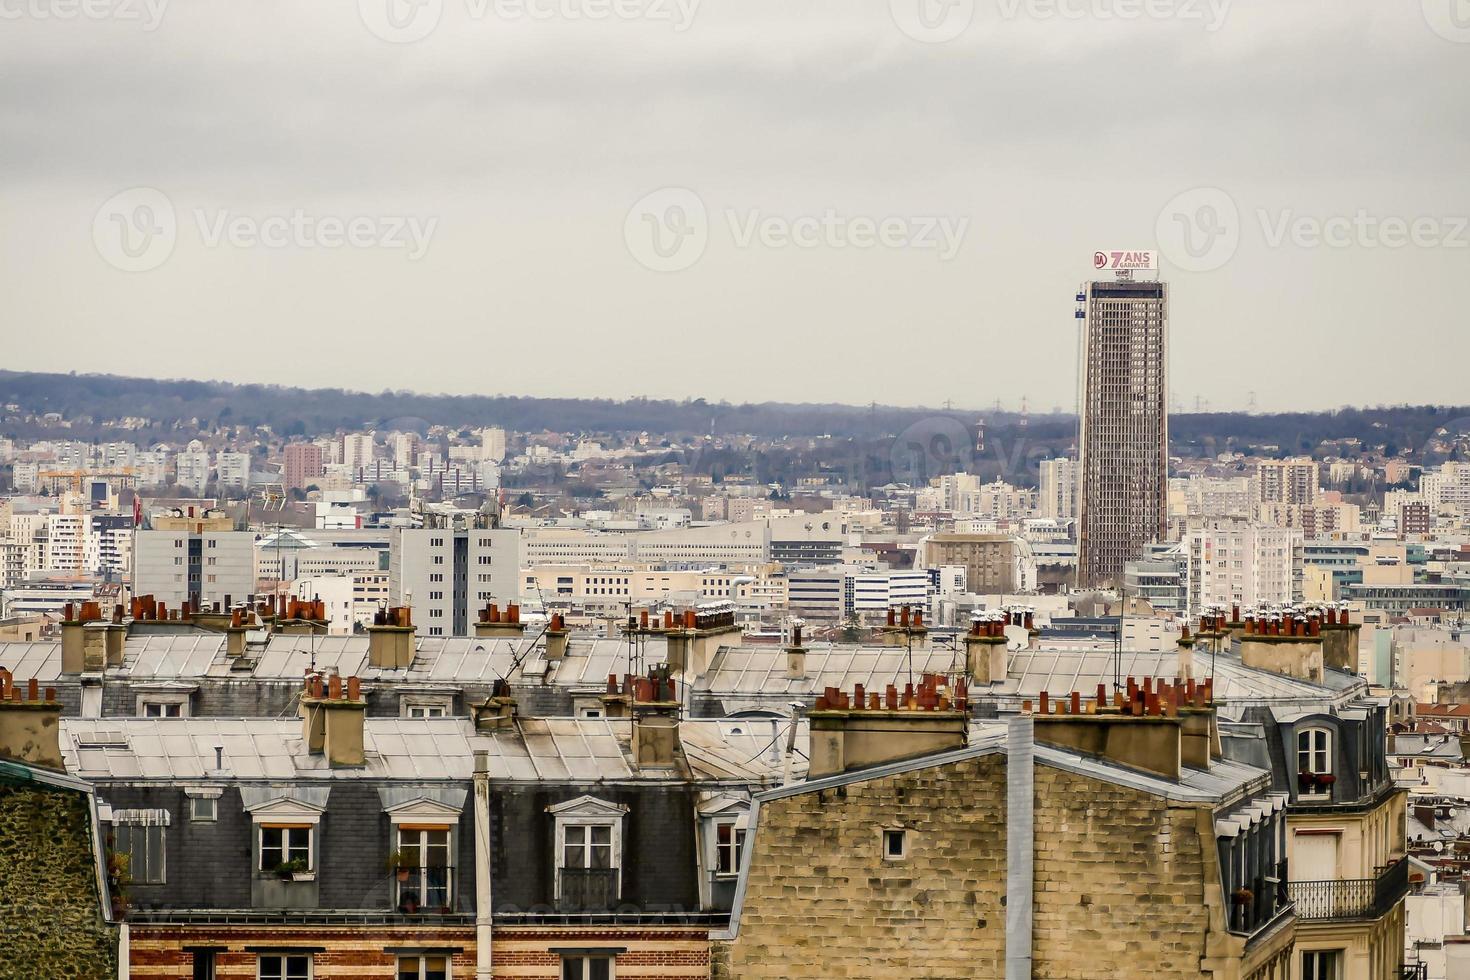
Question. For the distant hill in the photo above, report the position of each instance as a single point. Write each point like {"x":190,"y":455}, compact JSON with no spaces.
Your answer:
{"x":1014,"y":441}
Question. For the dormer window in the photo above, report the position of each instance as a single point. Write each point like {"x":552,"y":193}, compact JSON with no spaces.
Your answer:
{"x":589,"y":843}
{"x":1314,"y":762}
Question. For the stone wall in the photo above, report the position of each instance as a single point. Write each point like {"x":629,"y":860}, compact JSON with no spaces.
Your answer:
{"x":1120,"y":885}
{"x":822,"y":902}
{"x":51,"y":922}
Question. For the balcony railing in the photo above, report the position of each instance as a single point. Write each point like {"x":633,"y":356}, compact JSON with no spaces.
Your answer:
{"x":1352,"y":898}
{"x":588,"y":889}
{"x":426,"y":890}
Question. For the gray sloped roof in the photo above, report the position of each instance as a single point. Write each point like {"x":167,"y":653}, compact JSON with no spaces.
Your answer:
{"x":183,"y":749}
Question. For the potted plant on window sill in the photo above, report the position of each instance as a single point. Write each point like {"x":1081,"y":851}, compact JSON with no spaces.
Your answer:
{"x":401,"y":863}
{"x":118,"y":879}
{"x":295,"y":869}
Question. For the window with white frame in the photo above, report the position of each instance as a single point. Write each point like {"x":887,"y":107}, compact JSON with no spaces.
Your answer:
{"x":729,"y":842}
{"x":432,"y":966}
{"x":163,"y":709}
{"x":285,"y":844}
{"x":587,"y":968}
{"x":895,"y":845}
{"x":424,"y":853}
{"x":284,"y":966}
{"x":203,"y":805}
{"x":425,"y":705}
{"x":285,"y":834}
{"x":589,"y":842}
{"x":1314,"y":760}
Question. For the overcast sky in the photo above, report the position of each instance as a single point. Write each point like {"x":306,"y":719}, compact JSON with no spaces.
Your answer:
{"x":792,"y":200}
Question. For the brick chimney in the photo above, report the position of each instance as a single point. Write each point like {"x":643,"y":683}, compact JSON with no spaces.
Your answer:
{"x":615,"y":699}
{"x":390,"y":639}
{"x":865,"y":729}
{"x":905,"y":625}
{"x":795,"y":653}
{"x":1284,"y":641}
{"x":1156,"y":727}
{"x":557,"y":638}
{"x":301,"y":617}
{"x":332,"y":720}
{"x":235,"y":632}
{"x":1339,"y":638}
{"x":692,"y":639}
{"x":655,"y":707}
{"x":88,"y":642}
{"x":30,"y":723}
{"x":1185,"y":646}
{"x":498,"y":712}
{"x":494,"y":625}
{"x":985,"y":649}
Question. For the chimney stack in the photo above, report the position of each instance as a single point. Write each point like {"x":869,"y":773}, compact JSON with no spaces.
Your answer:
{"x":557,"y":638}
{"x":795,"y":654}
{"x":985,"y":649}
{"x":1286,"y":646}
{"x":656,"y":707}
{"x":866,"y":730}
{"x":498,"y":712}
{"x":1158,"y":729}
{"x":493,"y":624}
{"x":391,"y":639}
{"x":30,"y":723}
{"x":332,"y":720}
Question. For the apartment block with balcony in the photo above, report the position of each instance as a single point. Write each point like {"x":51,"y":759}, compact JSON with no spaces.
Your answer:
{"x":1348,"y":870}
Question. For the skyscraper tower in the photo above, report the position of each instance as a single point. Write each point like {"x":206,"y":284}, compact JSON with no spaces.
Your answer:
{"x":1123,"y":440}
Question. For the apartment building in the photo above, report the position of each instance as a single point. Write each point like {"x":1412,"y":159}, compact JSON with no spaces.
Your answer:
{"x":1123,"y":437}
{"x":234,"y":471}
{"x":1057,"y":498}
{"x":199,"y":559}
{"x":993,"y":563}
{"x":447,"y":572}
{"x":1287,"y":481}
{"x":303,"y":464}
{"x":1235,"y":562}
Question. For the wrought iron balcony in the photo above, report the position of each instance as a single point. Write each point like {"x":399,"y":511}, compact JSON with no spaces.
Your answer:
{"x":588,"y":889}
{"x":1352,"y":898}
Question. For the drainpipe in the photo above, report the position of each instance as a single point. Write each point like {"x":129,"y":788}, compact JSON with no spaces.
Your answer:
{"x":124,"y":952}
{"x":484,"y":961}
{"x":1020,"y":843}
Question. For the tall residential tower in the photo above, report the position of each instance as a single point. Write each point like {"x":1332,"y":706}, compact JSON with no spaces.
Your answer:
{"x":1123,"y":442}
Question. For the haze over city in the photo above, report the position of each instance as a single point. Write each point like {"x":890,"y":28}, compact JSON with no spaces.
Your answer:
{"x":522,"y":137}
